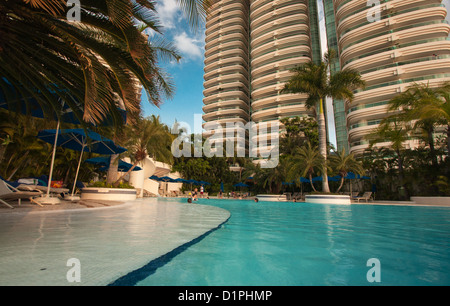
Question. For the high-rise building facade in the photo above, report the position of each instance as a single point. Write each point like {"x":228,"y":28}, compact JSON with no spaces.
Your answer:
{"x":226,"y":78}
{"x":250,"y":48}
{"x":252,"y":44}
{"x":393,"y":45}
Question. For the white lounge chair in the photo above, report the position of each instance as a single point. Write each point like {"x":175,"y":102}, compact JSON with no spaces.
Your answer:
{"x":366,"y":196}
{"x":9,"y":193}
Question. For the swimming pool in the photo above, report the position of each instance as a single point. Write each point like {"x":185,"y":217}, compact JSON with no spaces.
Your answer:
{"x":311,"y":244}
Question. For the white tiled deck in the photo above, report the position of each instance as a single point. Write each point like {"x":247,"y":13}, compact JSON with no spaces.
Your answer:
{"x":109,"y":243}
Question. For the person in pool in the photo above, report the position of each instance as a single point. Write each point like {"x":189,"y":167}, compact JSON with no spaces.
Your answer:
{"x":194,"y":194}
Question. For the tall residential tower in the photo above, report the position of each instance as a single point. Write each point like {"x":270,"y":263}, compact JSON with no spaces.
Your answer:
{"x":250,"y":48}
{"x":393,"y":45}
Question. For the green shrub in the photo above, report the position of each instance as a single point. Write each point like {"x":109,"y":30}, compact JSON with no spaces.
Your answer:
{"x":103,"y":184}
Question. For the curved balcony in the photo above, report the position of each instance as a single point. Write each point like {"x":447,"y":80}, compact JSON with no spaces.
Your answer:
{"x":225,"y":72}
{"x":354,"y":14}
{"x":226,"y":113}
{"x":226,"y":78}
{"x":278,"y":99}
{"x":279,"y":111}
{"x":282,"y":62}
{"x":227,"y":95}
{"x":390,"y":41}
{"x":279,"y":44}
{"x":278,"y":24}
{"x":392,"y":25}
{"x":277,"y":55}
{"x":278,"y":34}
{"x":226,"y":104}
{"x":426,"y":49}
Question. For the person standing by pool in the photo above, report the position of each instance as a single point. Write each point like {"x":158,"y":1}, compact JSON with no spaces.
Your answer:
{"x":201,"y":191}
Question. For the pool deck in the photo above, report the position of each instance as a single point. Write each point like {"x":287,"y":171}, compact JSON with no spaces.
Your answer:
{"x":110,"y":240}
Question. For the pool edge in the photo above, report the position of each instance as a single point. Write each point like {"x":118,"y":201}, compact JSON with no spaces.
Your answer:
{"x":133,"y":277}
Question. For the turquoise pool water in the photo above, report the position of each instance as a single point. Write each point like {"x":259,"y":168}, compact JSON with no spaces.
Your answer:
{"x":270,"y":243}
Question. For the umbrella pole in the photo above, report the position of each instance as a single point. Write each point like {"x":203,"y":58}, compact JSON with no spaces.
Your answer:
{"x":78,"y":169}
{"x":47,"y":199}
{"x":53,"y":161}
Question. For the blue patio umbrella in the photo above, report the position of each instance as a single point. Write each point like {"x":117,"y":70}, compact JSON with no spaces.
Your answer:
{"x":221,"y":187}
{"x":105,"y":161}
{"x":154,"y":177}
{"x":350,"y":176}
{"x":180,"y":180}
{"x":12,"y":99}
{"x":304,"y":180}
{"x":81,"y":140}
{"x":167,"y":179}
{"x":241,"y":185}
{"x":335,"y":178}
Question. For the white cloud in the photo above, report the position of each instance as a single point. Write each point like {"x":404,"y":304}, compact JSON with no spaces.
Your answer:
{"x":191,"y":48}
{"x":167,"y":11}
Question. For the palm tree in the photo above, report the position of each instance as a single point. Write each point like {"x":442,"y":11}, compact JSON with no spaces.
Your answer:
{"x":412,"y":102}
{"x":344,"y":163}
{"x":272,"y":178}
{"x":315,"y":81}
{"x":97,"y":62}
{"x":396,"y":132}
{"x":307,"y":160}
{"x":147,"y":137}
{"x":437,"y":110}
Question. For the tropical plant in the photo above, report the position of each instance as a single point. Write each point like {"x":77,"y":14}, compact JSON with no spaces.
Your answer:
{"x":315,"y":81}
{"x":412,"y":103}
{"x":437,"y":110}
{"x":147,"y":137}
{"x":297,"y":132}
{"x":343,"y":163}
{"x":96,"y":62}
{"x":396,"y":132}
{"x":306,"y":161}
{"x":271,"y":178}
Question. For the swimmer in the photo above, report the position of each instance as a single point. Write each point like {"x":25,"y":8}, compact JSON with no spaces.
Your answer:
{"x":256,"y":200}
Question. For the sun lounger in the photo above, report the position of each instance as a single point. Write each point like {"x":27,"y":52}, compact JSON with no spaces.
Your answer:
{"x":9,"y":193}
{"x":366,"y":196}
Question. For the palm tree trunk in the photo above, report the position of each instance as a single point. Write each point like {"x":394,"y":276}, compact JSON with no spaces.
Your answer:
{"x":312,"y":184}
{"x":340,"y":186}
{"x":323,"y":145}
{"x":431,"y":144}
{"x":113,"y":170}
{"x":117,"y":182}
